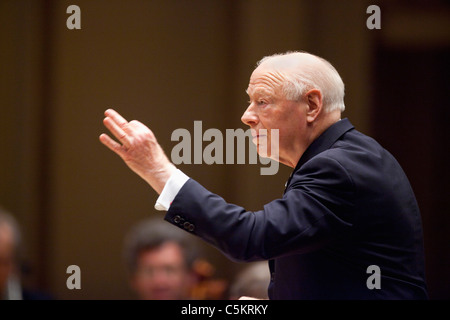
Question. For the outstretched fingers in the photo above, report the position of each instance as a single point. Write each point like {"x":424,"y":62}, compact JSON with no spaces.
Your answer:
{"x":117,"y":125}
{"x":137,"y":146}
{"x":113,"y":114}
{"x":111,"y":144}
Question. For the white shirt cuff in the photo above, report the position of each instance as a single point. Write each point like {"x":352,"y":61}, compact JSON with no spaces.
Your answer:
{"x":170,"y":190}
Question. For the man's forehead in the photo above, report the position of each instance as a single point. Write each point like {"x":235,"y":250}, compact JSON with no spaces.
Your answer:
{"x":264,"y":81}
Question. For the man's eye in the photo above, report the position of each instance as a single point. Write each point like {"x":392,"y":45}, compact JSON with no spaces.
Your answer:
{"x":258,"y":102}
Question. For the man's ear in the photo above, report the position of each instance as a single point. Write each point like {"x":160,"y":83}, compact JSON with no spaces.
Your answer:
{"x":314,"y":102}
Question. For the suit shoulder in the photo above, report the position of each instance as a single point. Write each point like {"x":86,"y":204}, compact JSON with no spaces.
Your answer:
{"x":356,"y":148}
{"x":349,"y":157}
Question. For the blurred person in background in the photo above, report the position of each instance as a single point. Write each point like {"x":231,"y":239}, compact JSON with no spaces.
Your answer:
{"x":11,"y":287}
{"x":159,"y":260}
{"x":163,"y":263}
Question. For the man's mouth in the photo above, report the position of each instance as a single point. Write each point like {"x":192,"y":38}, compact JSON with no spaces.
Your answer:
{"x":258,"y":137}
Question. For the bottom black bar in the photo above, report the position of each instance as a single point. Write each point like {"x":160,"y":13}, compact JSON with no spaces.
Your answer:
{"x":220,"y":309}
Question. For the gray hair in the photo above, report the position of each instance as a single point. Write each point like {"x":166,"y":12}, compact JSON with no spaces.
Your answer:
{"x":150,"y":234}
{"x":316,"y":73}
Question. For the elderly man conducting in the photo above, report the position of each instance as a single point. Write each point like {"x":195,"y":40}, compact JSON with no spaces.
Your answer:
{"x":347,"y":226}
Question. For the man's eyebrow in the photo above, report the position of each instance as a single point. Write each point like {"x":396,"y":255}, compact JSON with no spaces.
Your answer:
{"x":257,"y":92}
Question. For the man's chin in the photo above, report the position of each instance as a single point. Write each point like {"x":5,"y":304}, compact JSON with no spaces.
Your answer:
{"x":263,"y":150}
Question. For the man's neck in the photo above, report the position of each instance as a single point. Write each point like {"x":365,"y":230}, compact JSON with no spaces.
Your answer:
{"x":318,"y":127}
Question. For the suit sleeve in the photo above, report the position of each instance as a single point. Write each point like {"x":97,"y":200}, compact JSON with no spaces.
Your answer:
{"x":315,"y":208}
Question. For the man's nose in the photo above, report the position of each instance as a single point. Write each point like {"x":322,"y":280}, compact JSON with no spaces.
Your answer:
{"x":249,"y":117}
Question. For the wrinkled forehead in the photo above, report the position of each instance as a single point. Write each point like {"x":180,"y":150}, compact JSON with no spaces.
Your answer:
{"x":265,"y":80}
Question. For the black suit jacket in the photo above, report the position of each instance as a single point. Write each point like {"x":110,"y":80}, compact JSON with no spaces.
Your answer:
{"x":347,"y":205}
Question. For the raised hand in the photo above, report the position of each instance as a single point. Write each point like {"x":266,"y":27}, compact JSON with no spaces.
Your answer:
{"x":138,"y":148}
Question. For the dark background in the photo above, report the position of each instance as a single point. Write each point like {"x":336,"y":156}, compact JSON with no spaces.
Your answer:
{"x":168,"y":63}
